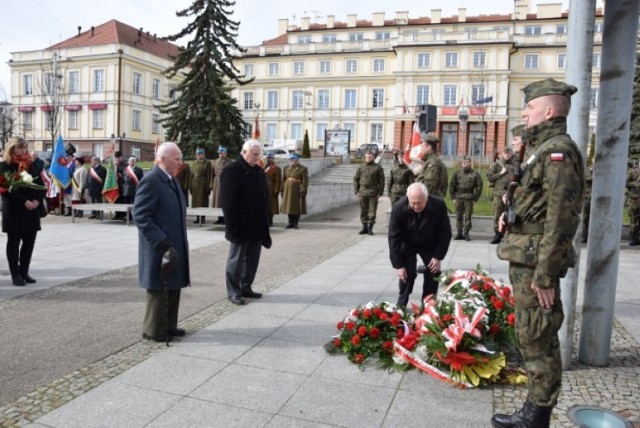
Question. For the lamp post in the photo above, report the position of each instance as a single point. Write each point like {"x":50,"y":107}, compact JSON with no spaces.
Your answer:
{"x":463,"y":115}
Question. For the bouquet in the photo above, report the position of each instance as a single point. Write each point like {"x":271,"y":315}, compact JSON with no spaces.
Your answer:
{"x":12,"y":181}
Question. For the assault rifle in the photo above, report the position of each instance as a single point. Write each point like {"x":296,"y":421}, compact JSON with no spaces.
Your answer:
{"x":510,"y":213}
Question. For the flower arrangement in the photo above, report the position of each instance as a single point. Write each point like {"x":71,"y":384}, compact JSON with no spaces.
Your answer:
{"x":455,"y":337}
{"x":11,"y":181}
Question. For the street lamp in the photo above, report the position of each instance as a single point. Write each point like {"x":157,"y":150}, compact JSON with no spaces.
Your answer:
{"x":463,"y":115}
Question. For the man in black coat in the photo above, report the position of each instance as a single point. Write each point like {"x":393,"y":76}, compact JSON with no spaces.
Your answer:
{"x":419,"y":226}
{"x":245,"y":205}
{"x":95,"y":182}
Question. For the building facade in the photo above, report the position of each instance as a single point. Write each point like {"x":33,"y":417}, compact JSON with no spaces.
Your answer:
{"x":99,"y":89}
{"x":371,"y":76}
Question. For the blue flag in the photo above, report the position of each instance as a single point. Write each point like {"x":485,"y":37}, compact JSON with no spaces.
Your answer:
{"x":59,"y":171}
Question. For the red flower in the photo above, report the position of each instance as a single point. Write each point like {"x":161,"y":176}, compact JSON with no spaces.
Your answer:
{"x":475,"y":287}
{"x":355,"y":312}
{"x":400,"y":333}
{"x":487,"y":287}
{"x":366,"y":314}
{"x":358,"y":359}
{"x":498,"y":304}
{"x":374,"y":332}
{"x":355,"y":340}
{"x":447,"y":318}
{"x":493,"y":329}
{"x":387,"y":345}
{"x":383,"y":315}
{"x":506,"y":292}
{"x":457,"y":360}
{"x":511,"y":319}
{"x":351,"y":325}
{"x":337,"y":342}
{"x":377,"y":311}
{"x":340,"y":325}
{"x":362,"y":330}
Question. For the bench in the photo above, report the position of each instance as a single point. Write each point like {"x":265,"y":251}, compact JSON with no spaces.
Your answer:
{"x":204,"y":211}
{"x":102,"y":208}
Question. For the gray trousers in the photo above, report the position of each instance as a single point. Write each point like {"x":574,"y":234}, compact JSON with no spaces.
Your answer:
{"x":161,"y":312}
{"x":242,"y":265}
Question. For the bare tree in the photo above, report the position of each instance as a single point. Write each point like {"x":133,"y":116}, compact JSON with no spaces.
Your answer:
{"x":483,"y":108}
{"x":8,"y":122}
{"x":52,"y":91}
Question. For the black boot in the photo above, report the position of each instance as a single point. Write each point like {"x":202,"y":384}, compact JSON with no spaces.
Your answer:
{"x":364,"y":230}
{"x":290,"y":225}
{"x":370,"y":229}
{"x":17,"y":280}
{"x":634,"y":240}
{"x":497,"y":238}
{"x":459,"y":235}
{"x":466,"y":235}
{"x":67,"y":212}
{"x":520,"y":418}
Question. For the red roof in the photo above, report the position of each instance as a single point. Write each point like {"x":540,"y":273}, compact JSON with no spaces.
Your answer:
{"x":115,"y":32}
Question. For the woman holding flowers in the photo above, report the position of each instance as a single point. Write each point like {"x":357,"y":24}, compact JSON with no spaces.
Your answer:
{"x":22,"y":194}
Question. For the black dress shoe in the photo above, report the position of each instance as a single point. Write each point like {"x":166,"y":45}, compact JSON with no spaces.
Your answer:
{"x":251,"y":294}
{"x":18,"y":280}
{"x":178,"y":332}
{"x":289,"y":226}
{"x":236,"y":300}
{"x":92,"y":217}
{"x":28,"y":279}
{"x":158,"y":338}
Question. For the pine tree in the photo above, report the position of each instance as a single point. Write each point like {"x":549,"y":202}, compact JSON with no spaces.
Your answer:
{"x":306,"y":151}
{"x":204,"y":114}
{"x":634,"y":136}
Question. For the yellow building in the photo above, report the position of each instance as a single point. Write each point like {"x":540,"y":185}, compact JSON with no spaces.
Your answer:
{"x":371,"y":76}
{"x":97,"y":89}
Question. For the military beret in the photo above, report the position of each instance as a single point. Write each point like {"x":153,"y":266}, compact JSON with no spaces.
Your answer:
{"x":517,"y":131}
{"x":508,"y":150}
{"x":430,"y":138}
{"x":294,"y":156}
{"x":222,"y":149}
{"x":466,"y":158}
{"x":199,"y":151}
{"x":545,"y":87}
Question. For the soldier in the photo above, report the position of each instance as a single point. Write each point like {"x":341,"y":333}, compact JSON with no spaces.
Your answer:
{"x":368,"y":185}
{"x":200,"y":183}
{"x":499,"y":175}
{"x":539,"y":247}
{"x":633,"y":186}
{"x":184,"y":180}
{"x":465,"y":189}
{"x":434,"y":172}
{"x":218,"y":165}
{"x":295,"y":181}
{"x":400,"y":178}
{"x":274,"y":183}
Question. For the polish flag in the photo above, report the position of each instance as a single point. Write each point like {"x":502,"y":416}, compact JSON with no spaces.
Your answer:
{"x":413,"y":151}
{"x":405,"y":107}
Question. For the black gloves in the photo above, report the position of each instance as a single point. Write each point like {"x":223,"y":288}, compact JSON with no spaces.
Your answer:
{"x":169,"y":264}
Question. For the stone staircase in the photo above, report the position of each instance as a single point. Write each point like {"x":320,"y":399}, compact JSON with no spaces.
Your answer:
{"x":343,"y":173}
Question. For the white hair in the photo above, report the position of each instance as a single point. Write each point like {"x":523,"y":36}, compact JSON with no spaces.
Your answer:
{"x":165,"y":147}
{"x":251,"y":143}
{"x":132,"y":158}
{"x":415,"y":186}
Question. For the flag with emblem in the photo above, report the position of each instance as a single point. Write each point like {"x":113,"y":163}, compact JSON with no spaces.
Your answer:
{"x":110,"y":190}
{"x":59,"y":171}
{"x":413,"y":151}
{"x":557,"y":157}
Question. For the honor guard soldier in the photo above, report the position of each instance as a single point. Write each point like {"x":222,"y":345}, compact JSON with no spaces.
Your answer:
{"x":434,"y":172}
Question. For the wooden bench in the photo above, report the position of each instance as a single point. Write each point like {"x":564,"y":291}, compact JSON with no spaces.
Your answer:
{"x":204,"y":211}
{"x":102,"y":208}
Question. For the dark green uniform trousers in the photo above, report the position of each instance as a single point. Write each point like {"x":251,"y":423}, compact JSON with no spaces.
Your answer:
{"x":161,"y":312}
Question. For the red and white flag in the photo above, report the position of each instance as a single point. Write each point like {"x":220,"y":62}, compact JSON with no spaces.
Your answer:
{"x":256,"y":129}
{"x":413,"y":151}
{"x":405,"y":107}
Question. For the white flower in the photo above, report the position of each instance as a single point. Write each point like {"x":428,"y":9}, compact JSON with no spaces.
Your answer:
{"x":26,"y":177}
{"x":370,"y":305}
{"x":399,"y":360}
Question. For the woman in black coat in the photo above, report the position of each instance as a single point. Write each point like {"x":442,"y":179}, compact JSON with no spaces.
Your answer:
{"x":20,"y":211}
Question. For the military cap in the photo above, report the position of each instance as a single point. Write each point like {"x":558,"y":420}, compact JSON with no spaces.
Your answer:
{"x":294,"y":156}
{"x":199,"y":151}
{"x":222,"y":149}
{"x":269,"y":155}
{"x":547,"y":87}
{"x":466,"y":158}
{"x":432,"y":140}
{"x":517,"y":131}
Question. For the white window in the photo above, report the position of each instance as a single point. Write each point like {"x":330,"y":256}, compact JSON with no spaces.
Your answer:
{"x":450,"y":94}
{"x":156,"y":89}
{"x":477,"y":92}
{"x":27,"y":81}
{"x":424,"y":60}
{"x":155,"y":123}
{"x":74,"y":82}
{"x":378,"y":64}
{"x":383,"y":35}
{"x":351,"y":127}
{"x":98,"y":119}
{"x":356,"y":37}
{"x":595,"y":61}
{"x":325,"y":66}
{"x":304,"y":39}
{"x":422,"y":94}
{"x":137,"y":119}
{"x":377,"y":99}
{"x":248,"y":70}
{"x":73,"y":119}
{"x":561,"y":29}
{"x":352,"y":66}
{"x":272,"y":100}
{"x":451,"y":59}
{"x":48,"y":83}
{"x":296,"y":131}
{"x":137,"y":83}
{"x":320,"y":129}
{"x":323,"y":99}
{"x":298,"y":68}
{"x":98,"y":81}
{"x":479,"y":59}
{"x":272,"y":131}
{"x":376,"y":133}
{"x":594,"y":98}
{"x":274,"y":69}
{"x":48,"y":120}
{"x":297,"y":101}
{"x":532,"y":29}
{"x":350,"y":99}
{"x":329,"y":38}
{"x":27,"y":120}
{"x":562,"y":60}
{"x":248,"y":100}
{"x":597,"y":27}
{"x":531,"y":61}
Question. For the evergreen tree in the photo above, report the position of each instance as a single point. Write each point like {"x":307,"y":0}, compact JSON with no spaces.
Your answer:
{"x":203,"y":114}
{"x":306,"y":151}
{"x":634,"y":136}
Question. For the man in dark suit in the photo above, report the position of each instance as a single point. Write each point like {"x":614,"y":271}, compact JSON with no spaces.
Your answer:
{"x":419,"y":226}
{"x":95,"y":182}
{"x":163,"y":251}
{"x":245,"y":205}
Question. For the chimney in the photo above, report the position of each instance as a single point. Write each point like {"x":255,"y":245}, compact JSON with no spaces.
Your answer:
{"x":462,"y":14}
{"x":283,"y":26}
{"x":148,"y":35}
{"x":436,"y":16}
{"x":331,"y":19}
{"x":352,"y":20}
{"x":378,"y":19}
{"x":402,"y":18}
{"x":304,"y":23}
{"x":93,"y":31}
{"x":549,"y":10}
{"x":154,"y":37}
{"x":140,"y":34}
{"x":79,"y":30}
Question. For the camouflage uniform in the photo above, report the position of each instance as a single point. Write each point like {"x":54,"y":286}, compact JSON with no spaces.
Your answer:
{"x":499,"y":183}
{"x":465,"y":190}
{"x":539,"y":248}
{"x":400,"y":178}
{"x":368,"y":184}
{"x":434,"y":175}
{"x":586,"y":211}
{"x":633,"y":188}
